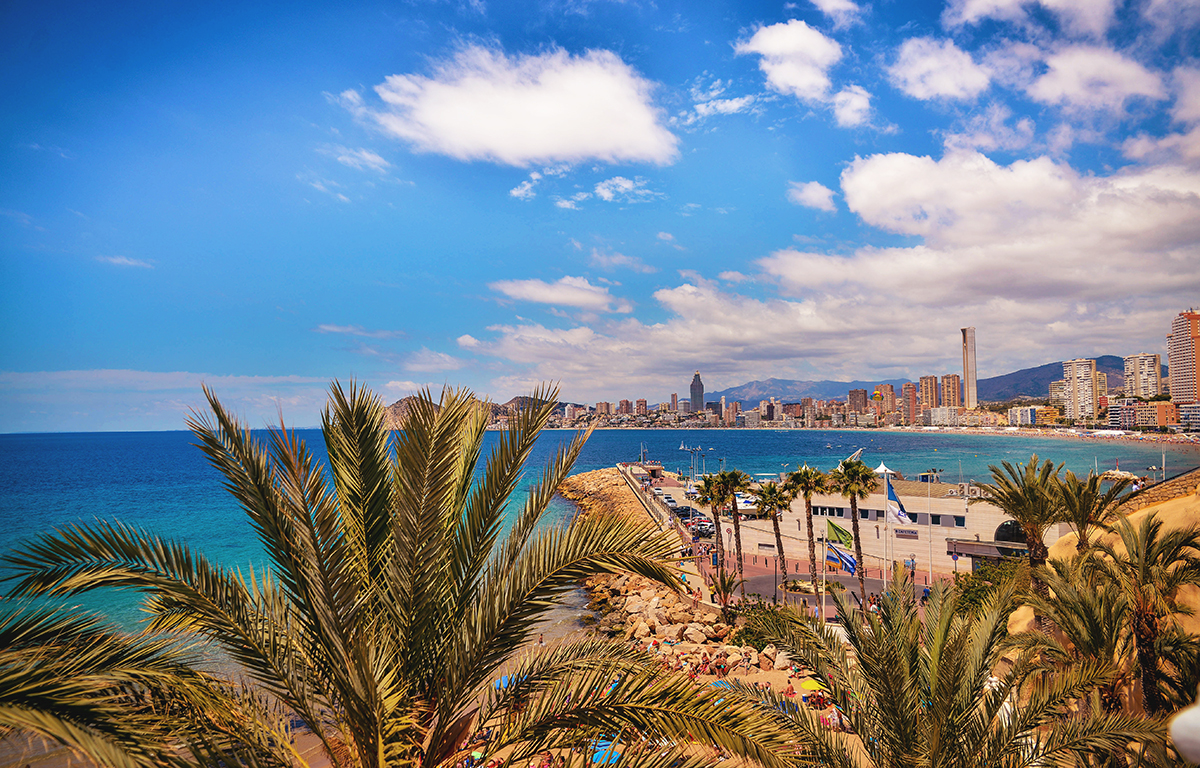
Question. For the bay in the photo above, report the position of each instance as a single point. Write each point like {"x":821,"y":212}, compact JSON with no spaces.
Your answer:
{"x":160,"y":482}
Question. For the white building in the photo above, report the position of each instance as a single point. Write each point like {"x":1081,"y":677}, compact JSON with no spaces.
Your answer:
{"x":1143,"y":375}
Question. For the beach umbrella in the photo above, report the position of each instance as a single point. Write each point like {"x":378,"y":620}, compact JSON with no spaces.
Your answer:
{"x":812,"y":685}
{"x":883,"y":470}
{"x":606,"y":753}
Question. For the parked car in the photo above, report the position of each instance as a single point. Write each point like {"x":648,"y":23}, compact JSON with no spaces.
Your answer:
{"x":670,"y":502}
{"x":703,"y":529}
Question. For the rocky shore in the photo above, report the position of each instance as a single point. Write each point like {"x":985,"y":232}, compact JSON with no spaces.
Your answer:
{"x":601,"y":491}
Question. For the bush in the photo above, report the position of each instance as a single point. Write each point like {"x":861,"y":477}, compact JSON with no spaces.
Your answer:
{"x":975,"y":586}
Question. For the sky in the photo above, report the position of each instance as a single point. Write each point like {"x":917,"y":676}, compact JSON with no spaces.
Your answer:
{"x":608,"y":195}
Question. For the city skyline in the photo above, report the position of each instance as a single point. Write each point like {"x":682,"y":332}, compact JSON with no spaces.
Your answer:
{"x":593,"y":193}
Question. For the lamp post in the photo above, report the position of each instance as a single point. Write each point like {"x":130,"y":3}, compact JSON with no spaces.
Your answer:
{"x":933,"y":472}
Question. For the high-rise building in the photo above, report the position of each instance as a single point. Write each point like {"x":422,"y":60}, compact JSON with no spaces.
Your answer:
{"x":1183,"y":357}
{"x":952,"y":390}
{"x":970,"y":398}
{"x":603,"y":409}
{"x":625,"y":408}
{"x":640,"y":407}
{"x":929,"y":392}
{"x":697,"y":393}
{"x":908,"y":403}
{"x":1082,"y":389}
{"x":1143,"y":375}
{"x":889,"y":397}
{"x":674,"y":401}
{"x":857,"y":402}
{"x":685,"y":406}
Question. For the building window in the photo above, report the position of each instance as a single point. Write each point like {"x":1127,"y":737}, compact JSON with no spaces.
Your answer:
{"x":841,"y":511}
{"x":935,"y":519}
{"x":960,"y":521}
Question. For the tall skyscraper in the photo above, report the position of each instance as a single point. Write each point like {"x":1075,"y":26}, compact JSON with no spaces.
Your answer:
{"x":1183,"y":357}
{"x":908,"y":402}
{"x":640,"y":407}
{"x":970,"y":399}
{"x":674,"y":401}
{"x":889,"y":397}
{"x":857,"y":402}
{"x":1082,"y":388}
{"x":1143,"y":375}
{"x":697,"y":393}
{"x":952,"y":391}
{"x":929,"y":392}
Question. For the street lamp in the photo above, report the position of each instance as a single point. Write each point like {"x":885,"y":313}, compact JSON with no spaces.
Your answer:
{"x":934,"y":472}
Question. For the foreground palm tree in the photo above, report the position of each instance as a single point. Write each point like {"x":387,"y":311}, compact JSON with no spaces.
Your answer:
{"x":1083,"y":504}
{"x":1148,"y":571}
{"x":946,"y":691}
{"x":772,"y":499}
{"x":808,"y":481}
{"x":391,"y":603}
{"x":735,"y":481}
{"x":1027,"y":494}
{"x":856,"y":481}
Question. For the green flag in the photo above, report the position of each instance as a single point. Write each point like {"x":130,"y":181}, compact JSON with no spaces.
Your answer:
{"x":839,"y":534}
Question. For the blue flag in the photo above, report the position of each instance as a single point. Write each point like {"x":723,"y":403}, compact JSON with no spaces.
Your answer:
{"x":841,"y":558}
{"x":895,"y":508}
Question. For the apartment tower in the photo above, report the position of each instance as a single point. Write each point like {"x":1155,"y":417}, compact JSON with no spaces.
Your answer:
{"x":1082,"y":391}
{"x":697,"y":393}
{"x":952,"y":390}
{"x":908,"y":402}
{"x":1183,"y":357}
{"x":929,"y":392}
{"x":970,"y":399}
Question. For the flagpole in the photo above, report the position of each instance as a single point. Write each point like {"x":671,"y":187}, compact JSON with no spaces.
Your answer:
{"x":887,"y":523}
{"x":824,"y":568}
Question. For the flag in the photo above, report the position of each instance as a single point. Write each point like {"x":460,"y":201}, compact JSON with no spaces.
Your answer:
{"x":845,"y":560}
{"x":894,"y":507}
{"x":840,"y":534}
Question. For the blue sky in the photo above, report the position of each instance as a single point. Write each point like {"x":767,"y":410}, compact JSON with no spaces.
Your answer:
{"x":605,"y":194}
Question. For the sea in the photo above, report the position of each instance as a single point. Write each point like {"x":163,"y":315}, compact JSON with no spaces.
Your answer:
{"x":161,"y":482}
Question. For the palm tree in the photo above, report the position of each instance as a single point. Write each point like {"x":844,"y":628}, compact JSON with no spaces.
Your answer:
{"x":808,"y":481}
{"x":711,"y":494}
{"x":1148,"y":570}
{"x":723,"y":584}
{"x":391,"y":602}
{"x":1026,"y":493}
{"x":855,"y":481}
{"x":946,"y":691}
{"x":116,"y":699}
{"x":1083,"y":505}
{"x":772,"y":499}
{"x":735,"y":481}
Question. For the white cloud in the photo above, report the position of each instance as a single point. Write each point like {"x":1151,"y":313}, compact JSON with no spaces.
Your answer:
{"x":1187,"y":99}
{"x":842,"y":13}
{"x":707,"y":109}
{"x":795,"y":58}
{"x":990,"y":130}
{"x":930,"y":69}
{"x":622,"y":190}
{"x":524,"y":190}
{"x":566,"y":292}
{"x":812,"y":194}
{"x":358,"y":330}
{"x":1078,"y":17}
{"x":1084,"y":77}
{"x":516,"y":110}
{"x":425,"y":360}
{"x":125,"y":261}
{"x":361,"y":159}
{"x":611,"y":261}
{"x":852,"y":106}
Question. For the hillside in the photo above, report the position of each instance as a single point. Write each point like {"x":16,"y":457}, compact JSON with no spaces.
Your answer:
{"x":1035,"y":382}
{"x":791,"y":390}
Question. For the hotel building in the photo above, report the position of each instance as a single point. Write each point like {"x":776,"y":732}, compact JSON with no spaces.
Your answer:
{"x":1183,"y":357}
{"x":1082,"y":389}
{"x":952,"y":390}
{"x":929,"y":392}
{"x":908,"y":402}
{"x":697,"y":393}
{"x":970,"y":399}
{"x":1143,"y":375}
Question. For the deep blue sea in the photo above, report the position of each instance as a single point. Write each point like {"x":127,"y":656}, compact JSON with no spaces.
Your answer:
{"x":161,"y":482}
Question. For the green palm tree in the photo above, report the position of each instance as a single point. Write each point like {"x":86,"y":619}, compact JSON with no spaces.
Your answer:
{"x":855,"y":481}
{"x":723,"y":585}
{"x":1148,"y":571}
{"x":735,"y":481}
{"x":772,"y":499}
{"x":392,"y":602}
{"x":1083,"y":504}
{"x":711,"y":494}
{"x":944,"y":691}
{"x":1027,"y":494}
{"x":808,"y":481}
{"x":116,"y":699}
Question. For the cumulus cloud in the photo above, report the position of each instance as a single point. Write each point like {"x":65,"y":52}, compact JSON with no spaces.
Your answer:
{"x":524,"y":190}
{"x":795,"y":58}
{"x":812,"y":194}
{"x":568,"y":291}
{"x":555,"y":107}
{"x":1077,"y":17}
{"x":926,"y":68}
{"x":990,"y":130}
{"x":622,"y":190}
{"x":842,"y":13}
{"x":361,"y":159}
{"x":852,"y":106}
{"x":1087,"y":78}
{"x":1187,"y":98}
{"x":611,"y":260}
{"x":125,"y":261}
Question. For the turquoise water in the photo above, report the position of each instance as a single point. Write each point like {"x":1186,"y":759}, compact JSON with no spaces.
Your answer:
{"x":159,"y":481}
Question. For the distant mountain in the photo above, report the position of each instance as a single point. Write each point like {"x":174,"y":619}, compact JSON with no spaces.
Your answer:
{"x":1035,"y":382}
{"x":791,"y":390}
